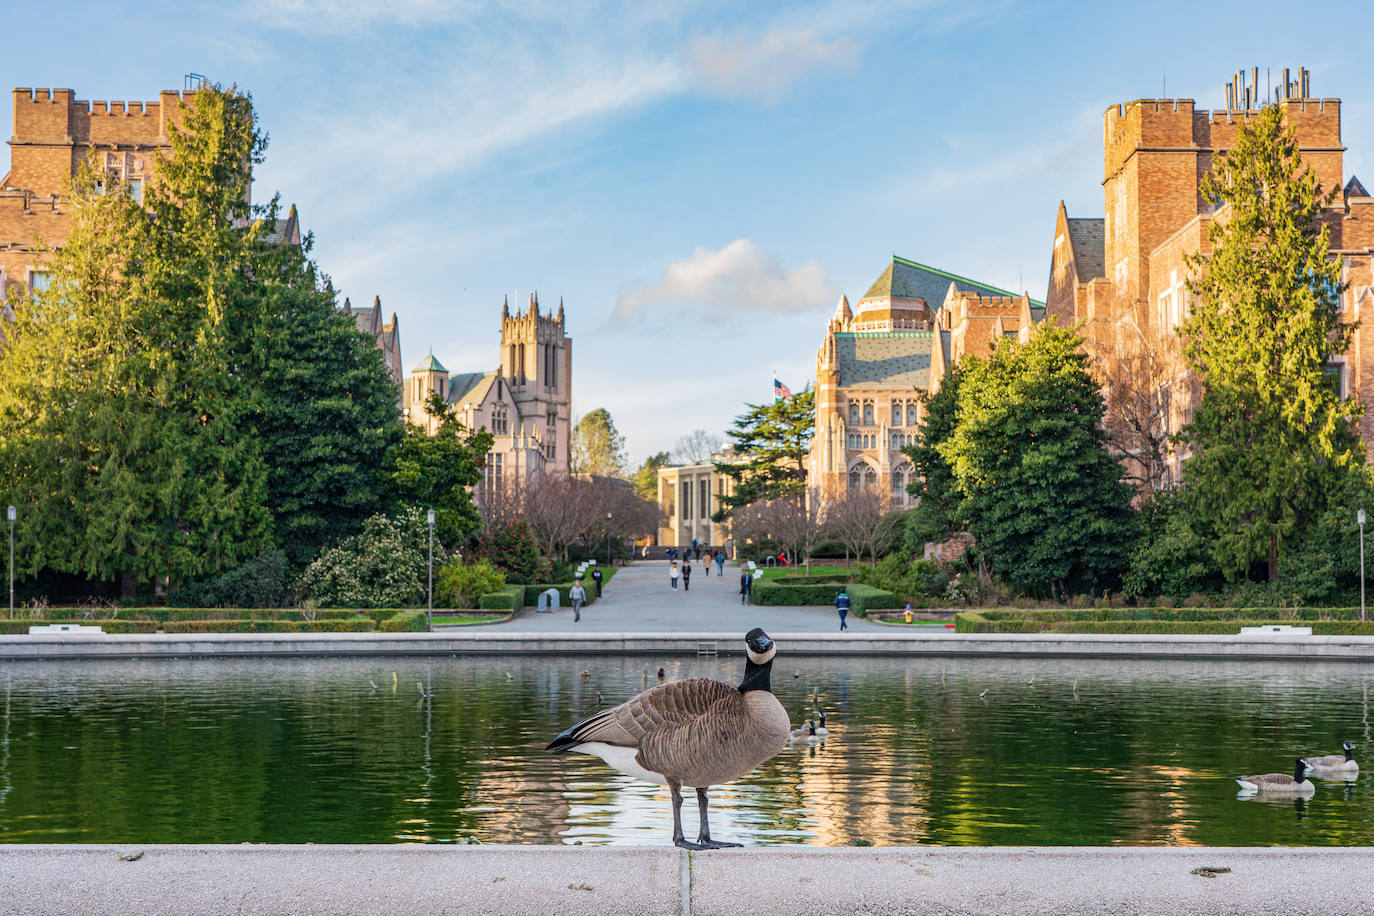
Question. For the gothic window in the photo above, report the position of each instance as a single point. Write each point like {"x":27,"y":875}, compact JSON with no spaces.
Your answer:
{"x":896,"y":414}
{"x":901,"y":476}
{"x":39,"y":280}
{"x":868,"y":413}
{"x":911,"y":414}
{"x":553,"y":366}
{"x":856,"y":479}
{"x":870,"y":477}
{"x":494,"y":469}
{"x":552,"y":420}
{"x":136,"y":190}
{"x":853,"y":413}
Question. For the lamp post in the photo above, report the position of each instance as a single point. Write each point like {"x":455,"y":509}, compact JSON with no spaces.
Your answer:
{"x":608,"y":540}
{"x":429,"y":609}
{"x":11,"y":514}
{"x":1359,"y":517}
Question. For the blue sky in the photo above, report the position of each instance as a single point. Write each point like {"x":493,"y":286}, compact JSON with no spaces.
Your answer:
{"x":698,"y":181}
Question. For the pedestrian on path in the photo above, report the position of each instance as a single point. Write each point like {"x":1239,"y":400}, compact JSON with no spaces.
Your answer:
{"x":673,"y":574}
{"x":707,"y":564}
{"x":842,"y":605}
{"x":687,"y":575}
{"x":720,"y":563}
{"x":577,"y":595}
{"x":746,"y":585}
{"x":596,"y":577}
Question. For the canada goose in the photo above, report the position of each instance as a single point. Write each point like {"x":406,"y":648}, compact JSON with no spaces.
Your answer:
{"x":821,"y":730}
{"x":1297,"y":784}
{"x":801,"y":732}
{"x":661,"y":674}
{"x":1336,"y":763}
{"x":696,"y":732}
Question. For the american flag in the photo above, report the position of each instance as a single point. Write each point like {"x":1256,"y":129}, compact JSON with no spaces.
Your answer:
{"x":780,"y":391}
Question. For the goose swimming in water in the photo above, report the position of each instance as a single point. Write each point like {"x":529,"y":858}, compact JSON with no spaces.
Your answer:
{"x":1336,"y":764}
{"x":1276,"y":783}
{"x":696,"y":732}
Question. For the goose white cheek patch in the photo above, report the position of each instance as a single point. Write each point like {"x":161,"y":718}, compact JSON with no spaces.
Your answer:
{"x":762,"y":658}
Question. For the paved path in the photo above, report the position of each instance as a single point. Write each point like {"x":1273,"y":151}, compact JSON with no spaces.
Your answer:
{"x":662,"y":880}
{"x":639,"y":600}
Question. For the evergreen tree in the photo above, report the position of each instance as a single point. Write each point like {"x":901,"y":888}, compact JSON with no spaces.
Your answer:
{"x":1271,"y":436}
{"x":437,"y":471}
{"x":122,"y":397}
{"x":646,"y":478}
{"x":772,"y":442}
{"x":597,"y":448}
{"x":1040,"y":492}
{"x":325,"y":406}
{"x":936,"y":515}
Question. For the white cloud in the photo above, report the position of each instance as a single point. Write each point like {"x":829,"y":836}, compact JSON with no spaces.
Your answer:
{"x":738,"y":278}
{"x":764,"y":70}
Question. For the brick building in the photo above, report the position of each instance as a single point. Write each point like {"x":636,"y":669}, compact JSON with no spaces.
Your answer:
{"x":54,"y":133}
{"x":1124,"y":276}
{"x":912,"y":324}
{"x":526,"y":402}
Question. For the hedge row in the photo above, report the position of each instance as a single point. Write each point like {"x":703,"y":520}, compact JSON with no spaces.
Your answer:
{"x":164,"y":614}
{"x":511,"y":598}
{"x":772,"y":592}
{"x":270,"y":626}
{"x":1055,"y":621}
{"x":10,"y":627}
{"x":814,"y":580}
{"x":406,"y":622}
{"x":1170,"y":613}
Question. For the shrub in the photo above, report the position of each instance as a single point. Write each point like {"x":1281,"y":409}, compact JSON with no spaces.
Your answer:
{"x":511,"y":598}
{"x":261,"y":582}
{"x":773,"y":592}
{"x":381,"y":566}
{"x":352,"y":625}
{"x":906,"y":578}
{"x":512,"y":548}
{"x":461,"y":582}
{"x":405,"y":622}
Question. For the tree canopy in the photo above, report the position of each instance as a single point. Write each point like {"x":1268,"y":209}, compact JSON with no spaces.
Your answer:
{"x":771,"y":442}
{"x":1271,"y":435}
{"x":437,"y":471}
{"x":646,"y":478}
{"x":597,"y":448}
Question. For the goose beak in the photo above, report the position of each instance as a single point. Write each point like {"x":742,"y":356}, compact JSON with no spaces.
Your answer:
{"x":761,"y":643}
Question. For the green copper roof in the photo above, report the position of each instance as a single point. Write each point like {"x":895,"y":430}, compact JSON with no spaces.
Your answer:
{"x":905,"y":279}
{"x":430,"y":364}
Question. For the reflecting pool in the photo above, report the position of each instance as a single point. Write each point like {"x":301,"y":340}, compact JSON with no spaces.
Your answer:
{"x":434,"y":750}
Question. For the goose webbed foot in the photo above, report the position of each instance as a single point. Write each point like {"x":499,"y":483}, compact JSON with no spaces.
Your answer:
{"x":704,"y":840}
{"x":708,"y":843}
{"x":688,"y":844}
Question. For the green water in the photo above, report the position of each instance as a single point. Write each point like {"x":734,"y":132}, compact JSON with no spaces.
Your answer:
{"x":298,"y":751}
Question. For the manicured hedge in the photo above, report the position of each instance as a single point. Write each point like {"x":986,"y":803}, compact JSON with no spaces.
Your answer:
{"x":405,"y":622}
{"x":9,"y":627}
{"x":511,"y":598}
{"x":164,"y":614}
{"x":813,"y":580}
{"x":269,"y":626}
{"x":773,"y":593}
{"x":1217,"y":621}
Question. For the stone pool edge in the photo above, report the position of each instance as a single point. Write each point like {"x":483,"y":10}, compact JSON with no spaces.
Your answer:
{"x":484,"y":641}
{"x":612,"y":880}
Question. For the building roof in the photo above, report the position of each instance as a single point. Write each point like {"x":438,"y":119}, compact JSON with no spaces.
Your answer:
{"x":1088,"y":240}
{"x":904,"y":279}
{"x":430,"y":364}
{"x":287,"y":231}
{"x":896,"y":359}
{"x":470,"y":387}
{"x":1353,"y":188}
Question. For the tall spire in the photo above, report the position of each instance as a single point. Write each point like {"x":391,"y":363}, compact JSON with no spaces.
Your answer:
{"x":505,"y":307}
{"x":560,"y":309}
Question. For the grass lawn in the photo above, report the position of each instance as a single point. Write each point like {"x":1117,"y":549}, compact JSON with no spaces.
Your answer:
{"x":781,"y":572}
{"x":441,"y":619}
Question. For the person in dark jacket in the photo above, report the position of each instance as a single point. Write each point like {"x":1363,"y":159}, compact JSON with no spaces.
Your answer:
{"x":746,"y":585}
{"x":842,"y":606}
{"x":596,"y":577}
{"x":687,"y":574}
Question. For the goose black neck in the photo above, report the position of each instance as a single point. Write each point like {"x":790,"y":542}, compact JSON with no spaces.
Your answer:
{"x":1349,"y":754}
{"x":756,"y":677}
{"x":1299,"y":772}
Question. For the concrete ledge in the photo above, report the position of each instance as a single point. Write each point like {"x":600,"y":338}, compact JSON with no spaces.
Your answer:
{"x":606,"y":881}
{"x":487,"y":641}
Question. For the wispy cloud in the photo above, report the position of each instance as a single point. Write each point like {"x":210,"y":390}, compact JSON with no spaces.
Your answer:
{"x":734,"y":67}
{"x":739,"y":277}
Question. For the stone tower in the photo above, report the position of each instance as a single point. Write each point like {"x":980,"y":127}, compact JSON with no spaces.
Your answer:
{"x":536,"y":360}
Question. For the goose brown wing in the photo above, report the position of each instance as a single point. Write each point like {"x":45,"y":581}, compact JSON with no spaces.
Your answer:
{"x":659,"y":707}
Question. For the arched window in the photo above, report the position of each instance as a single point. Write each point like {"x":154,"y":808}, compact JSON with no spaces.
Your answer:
{"x":870,"y":477}
{"x":853,"y":413}
{"x":901,"y":476}
{"x":855,"y":479}
{"x":868,"y":413}
{"x":911,"y":414}
{"x":896,"y":414}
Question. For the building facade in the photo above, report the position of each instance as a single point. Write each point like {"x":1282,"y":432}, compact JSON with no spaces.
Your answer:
{"x":1124,"y":276}
{"x":687,"y":497}
{"x":913,"y":323}
{"x":526,"y":402}
{"x":55,"y":133}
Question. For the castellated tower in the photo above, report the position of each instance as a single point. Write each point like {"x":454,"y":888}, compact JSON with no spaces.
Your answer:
{"x":536,"y":360}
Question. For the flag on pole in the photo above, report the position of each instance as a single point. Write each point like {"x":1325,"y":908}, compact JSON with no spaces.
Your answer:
{"x":780,"y":391}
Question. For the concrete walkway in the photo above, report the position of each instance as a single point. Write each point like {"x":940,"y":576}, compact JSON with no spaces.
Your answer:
{"x":607,"y":881}
{"x":639,"y":600}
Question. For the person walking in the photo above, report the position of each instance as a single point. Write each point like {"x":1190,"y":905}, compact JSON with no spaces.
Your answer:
{"x":687,"y":574}
{"x":720,"y":563}
{"x":746,"y":585}
{"x":577,"y":595}
{"x":673,"y":574}
{"x":596,"y":577}
{"x":842,"y":606}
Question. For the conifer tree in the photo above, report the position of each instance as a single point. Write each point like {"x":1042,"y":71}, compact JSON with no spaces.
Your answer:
{"x":1271,"y":436}
{"x":936,"y":515}
{"x":438,"y":471}
{"x":772,"y":442}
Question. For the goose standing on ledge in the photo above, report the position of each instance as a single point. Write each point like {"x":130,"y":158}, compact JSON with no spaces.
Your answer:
{"x":1297,"y":784}
{"x":1335,"y":764}
{"x":696,"y":732}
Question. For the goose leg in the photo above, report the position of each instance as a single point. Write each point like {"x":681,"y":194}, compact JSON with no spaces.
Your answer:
{"x":678,"y":838}
{"x":704,"y":840}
